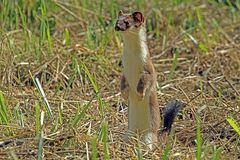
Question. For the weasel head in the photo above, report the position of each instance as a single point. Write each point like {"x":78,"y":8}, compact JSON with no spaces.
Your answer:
{"x":127,"y":23}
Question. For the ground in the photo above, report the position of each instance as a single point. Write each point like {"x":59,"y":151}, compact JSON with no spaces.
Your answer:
{"x":72,"y":49}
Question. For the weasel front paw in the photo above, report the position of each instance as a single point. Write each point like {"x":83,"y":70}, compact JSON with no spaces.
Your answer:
{"x":140,"y":95}
{"x":141,"y":88}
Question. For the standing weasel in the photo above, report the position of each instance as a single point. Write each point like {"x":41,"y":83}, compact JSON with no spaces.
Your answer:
{"x":139,"y":79}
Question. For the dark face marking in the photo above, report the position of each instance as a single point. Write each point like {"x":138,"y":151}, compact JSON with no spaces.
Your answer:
{"x":127,"y":21}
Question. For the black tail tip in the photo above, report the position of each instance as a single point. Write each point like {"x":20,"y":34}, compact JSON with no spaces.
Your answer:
{"x":170,"y":112}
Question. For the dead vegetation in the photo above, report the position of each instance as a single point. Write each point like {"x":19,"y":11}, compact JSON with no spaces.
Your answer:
{"x":81,"y":81}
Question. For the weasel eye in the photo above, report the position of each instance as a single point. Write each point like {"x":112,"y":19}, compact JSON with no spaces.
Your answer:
{"x":126,"y":23}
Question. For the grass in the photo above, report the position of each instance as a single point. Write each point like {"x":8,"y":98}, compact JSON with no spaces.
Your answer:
{"x":199,"y":141}
{"x":166,"y":152}
{"x":174,"y":64}
{"x":71,"y":49}
{"x":234,"y":124}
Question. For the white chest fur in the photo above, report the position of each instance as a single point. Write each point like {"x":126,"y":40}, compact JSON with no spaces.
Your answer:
{"x":132,"y":68}
{"x":134,"y":58}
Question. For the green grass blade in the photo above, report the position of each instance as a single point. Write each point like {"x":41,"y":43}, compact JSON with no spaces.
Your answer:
{"x":94,"y":149}
{"x":234,"y":124}
{"x":37,"y":119}
{"x":60,"y":117}
{"x":66,"y":37}
{"x":3,"y":111}
{"x":217,"y":153}
{"x":199,"y":141}
{"x":95,"y":87}
{"x":50,"y":43}
{"x":203,"y":47}
{"x":166,"y":152}
{"x":105,"y":140}
{"x":90,"y":77}
{"x":23,"y":19}
{"x":174,"y":64}
{"x":80,"y":115}
{"x":18,"y":115}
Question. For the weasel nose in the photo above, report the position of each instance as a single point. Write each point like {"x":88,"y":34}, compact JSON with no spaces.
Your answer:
{"x":117,"y":27}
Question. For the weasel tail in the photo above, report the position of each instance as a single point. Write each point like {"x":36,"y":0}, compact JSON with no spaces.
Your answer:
{"x":138,"y":82}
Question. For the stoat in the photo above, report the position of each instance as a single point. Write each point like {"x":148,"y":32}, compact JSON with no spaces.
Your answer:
{"x":139,"y":79}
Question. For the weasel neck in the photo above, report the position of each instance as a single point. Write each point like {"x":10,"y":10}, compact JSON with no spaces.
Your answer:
{"x":135,"y":42}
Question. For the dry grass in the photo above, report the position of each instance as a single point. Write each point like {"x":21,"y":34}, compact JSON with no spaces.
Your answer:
{"x":210,"y":68}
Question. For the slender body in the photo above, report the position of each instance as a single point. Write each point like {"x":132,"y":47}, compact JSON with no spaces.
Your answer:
{"x":139,"y":79}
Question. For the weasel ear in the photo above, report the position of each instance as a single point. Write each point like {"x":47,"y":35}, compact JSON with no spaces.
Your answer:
{"x":138,"y":17}
{"x":120,"y":13}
